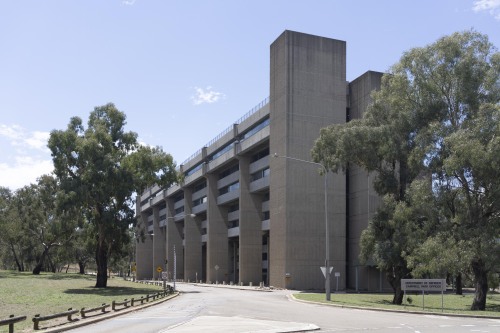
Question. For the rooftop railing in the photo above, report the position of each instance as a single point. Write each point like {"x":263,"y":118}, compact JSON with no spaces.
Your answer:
{"x":229,"y":129}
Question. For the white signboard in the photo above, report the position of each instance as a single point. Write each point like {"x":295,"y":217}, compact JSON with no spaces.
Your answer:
{"x":423,"y":284}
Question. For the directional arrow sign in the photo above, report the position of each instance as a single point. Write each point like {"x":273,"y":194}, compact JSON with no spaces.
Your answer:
{"x":323,"y":269}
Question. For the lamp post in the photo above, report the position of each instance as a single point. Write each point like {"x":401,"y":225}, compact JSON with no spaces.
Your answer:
{"x":327,"y":229}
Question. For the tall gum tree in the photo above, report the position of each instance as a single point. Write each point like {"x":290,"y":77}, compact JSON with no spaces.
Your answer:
{"x":435,"y":117}
{"x":42,"y":219}
{"x":101,"y":168}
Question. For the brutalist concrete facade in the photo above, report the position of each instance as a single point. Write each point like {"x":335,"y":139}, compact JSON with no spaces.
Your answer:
{"x":242,"y":215}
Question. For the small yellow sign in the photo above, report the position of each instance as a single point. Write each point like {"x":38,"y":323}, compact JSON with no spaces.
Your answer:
{"x":159,"y":269}
{"x":134,"y":269}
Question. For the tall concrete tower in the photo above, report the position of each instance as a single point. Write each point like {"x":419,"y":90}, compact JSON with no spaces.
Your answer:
{"x":308,"y":91}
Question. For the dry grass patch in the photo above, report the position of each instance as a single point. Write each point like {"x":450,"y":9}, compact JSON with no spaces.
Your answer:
{"x":22,"y":293}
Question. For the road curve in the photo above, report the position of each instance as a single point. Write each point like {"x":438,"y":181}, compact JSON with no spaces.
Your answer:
{"x":210,"y":309}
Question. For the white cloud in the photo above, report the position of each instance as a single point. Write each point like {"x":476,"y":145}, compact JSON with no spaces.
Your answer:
{"x":18,"y":136}
{"x":38,"y":140}
{"x":492,"y":6}
{"x":25,"y":171}
{"x":11,"y":132}
{"x":207,"y":95}
{"x":128,"y":2}
{"x":25,"y":156}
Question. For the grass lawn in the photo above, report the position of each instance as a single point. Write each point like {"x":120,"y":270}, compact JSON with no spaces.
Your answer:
{"x":25,"y":294}
{"x":451,"y":303}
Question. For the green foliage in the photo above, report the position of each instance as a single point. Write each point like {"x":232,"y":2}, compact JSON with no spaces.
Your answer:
{"x":100,"y":168}
{"x":431,"y":136}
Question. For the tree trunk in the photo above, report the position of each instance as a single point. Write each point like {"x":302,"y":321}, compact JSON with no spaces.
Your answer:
{"x":39,"y":265}
{"x":481,"y":285}
{"x":394,"y":279}
{"x":52,"y":266}
{"x":102,"y":265}
{"x":459,"y":284}
{"x":81,"y":265}
{"x":19,"y":266}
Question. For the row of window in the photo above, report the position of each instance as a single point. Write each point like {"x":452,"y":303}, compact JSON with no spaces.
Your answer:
{"x":252,"y":131}
{"x":229,"y":188}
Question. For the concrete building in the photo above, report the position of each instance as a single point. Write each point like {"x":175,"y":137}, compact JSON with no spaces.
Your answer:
{"x":242,"y":215}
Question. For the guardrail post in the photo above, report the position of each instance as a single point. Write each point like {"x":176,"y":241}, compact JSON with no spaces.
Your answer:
{"x":113,"y":305}
{"x":69,"y":315}
{"x":35,"y":322}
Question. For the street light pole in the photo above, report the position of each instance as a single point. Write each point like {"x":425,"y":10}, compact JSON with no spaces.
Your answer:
{"x":327,"y":229}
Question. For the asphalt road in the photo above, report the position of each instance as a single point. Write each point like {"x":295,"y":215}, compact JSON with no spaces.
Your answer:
{"x":222,"y":309}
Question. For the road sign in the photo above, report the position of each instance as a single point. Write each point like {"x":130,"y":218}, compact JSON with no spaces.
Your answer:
{"x":134,"y":268}
{"x":324,"y":270}
{"x":337,"y":274}
{"x":423,"y":284}
{"x":159,"y":269}
{"x":164,"y":275}
{"x":216,"y":267}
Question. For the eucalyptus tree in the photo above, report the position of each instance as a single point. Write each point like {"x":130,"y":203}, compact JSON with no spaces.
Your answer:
{"x":100,"y":168}
{"x":11,"y":235}
{"x":43,"y":220}
{"x":436,"y":119}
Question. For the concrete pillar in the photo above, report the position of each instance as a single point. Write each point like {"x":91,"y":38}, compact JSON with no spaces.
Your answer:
{"x":250,"y":228}
{"x":174,"y":239}
{"x":143,"y":250}
{"x":159,"y":243}
{"x":217,"y":242}
{"x":192,"y":240}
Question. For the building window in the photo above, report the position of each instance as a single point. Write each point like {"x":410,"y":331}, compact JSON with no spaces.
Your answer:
{"x":193,"y":170}
{"x":221,"y":151}
{"x":260,"y":174}
{"x":233,"y":224}
{"x":255,"y":129}
{"x":199,"y":201}
{"x":199,"y":187}
{"x":230,"y":188}
{"x":260,"y":154}
{"x":229,"y":171}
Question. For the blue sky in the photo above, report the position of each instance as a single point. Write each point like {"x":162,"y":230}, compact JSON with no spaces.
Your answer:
{"x":183,"y":71}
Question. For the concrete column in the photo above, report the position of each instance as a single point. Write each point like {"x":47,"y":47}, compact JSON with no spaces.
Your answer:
{"x":143,"y":250}
{"x":307,"y":92}
{"x":174,"y":239}
{"x":250,"y":228}
{"x":217,"y":242}
{"x":159,"y":243}
{"x":192,"y":240}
